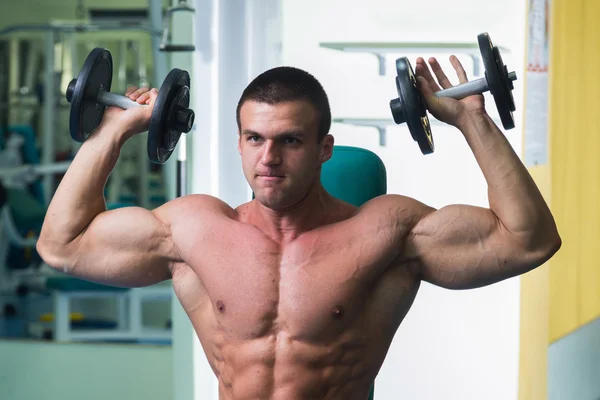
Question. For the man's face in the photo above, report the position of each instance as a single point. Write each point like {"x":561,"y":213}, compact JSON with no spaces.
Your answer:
{"x":280,"y":153}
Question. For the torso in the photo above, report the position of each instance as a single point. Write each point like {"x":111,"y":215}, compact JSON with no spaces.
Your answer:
{"x":308,"y":319}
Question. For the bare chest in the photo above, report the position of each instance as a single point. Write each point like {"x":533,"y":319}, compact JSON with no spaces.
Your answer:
{"x":308,"y":294}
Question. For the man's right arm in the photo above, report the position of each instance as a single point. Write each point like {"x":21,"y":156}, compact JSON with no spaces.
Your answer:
{"x":128,"y":247}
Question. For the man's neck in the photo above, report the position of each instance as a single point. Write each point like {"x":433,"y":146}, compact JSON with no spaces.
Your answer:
{"x":285,"y":226}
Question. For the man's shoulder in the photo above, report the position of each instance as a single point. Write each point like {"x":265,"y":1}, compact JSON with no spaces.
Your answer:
{"x":393,"y":203}
{"x":195,"y":205}
{"x":377,"y":213}
{"x":391,"y":211}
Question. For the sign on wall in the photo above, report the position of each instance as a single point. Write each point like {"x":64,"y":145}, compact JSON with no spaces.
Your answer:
{"x":536,"y":94}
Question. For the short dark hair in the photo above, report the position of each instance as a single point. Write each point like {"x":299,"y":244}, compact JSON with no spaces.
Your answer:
{"x":281,"y":84}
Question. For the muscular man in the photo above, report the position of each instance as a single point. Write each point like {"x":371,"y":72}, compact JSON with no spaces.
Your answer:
{"x":296,"y":294}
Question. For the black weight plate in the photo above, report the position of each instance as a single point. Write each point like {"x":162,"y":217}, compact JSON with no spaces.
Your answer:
{"x":510,"y":85}
{"x":162,"y":136}
{"x":497,"y":78}
{"x":95,"y":75}
{"x":411,"y":108}
{"x":181,"y":118}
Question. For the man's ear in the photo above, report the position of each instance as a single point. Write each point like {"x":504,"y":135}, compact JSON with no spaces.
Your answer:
{"x":239,"y":144}
{"x":327,"y":148}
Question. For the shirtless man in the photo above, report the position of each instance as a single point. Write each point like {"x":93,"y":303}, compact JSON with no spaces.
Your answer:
{"x":296,"y":294}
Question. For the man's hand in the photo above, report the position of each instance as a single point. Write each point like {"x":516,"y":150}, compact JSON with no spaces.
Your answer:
{"x":134,"y":120}
{"x":447,"y":110}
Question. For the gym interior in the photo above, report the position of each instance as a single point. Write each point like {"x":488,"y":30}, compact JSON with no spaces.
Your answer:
{"x":533,"y":337}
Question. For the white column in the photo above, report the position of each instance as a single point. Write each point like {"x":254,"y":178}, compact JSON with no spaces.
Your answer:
{"x":62,"y":319}
{"x":183,"y":333}
{"x":235,"y":40}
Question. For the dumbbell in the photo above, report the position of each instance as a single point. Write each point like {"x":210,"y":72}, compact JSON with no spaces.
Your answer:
{"x":89,"y":95}
{"x":410,"y":108}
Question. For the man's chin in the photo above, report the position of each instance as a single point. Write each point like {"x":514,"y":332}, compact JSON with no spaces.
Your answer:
{"x":271,"y":200}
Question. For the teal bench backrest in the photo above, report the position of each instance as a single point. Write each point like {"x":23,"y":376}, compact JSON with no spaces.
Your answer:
{"x":354,"y":175}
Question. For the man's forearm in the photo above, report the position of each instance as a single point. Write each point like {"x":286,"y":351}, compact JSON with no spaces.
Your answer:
{"x":513,"y":194}
{"x":79,"y":198}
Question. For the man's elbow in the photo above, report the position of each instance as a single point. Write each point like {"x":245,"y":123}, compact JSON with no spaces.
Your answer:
{"x":554,"y":245}
{"x":55,"y":255}
{"x":544,"y":244}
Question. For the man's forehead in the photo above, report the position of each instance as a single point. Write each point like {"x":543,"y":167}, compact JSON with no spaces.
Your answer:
{"x":296,"y":109}
{"x":280,"y":119}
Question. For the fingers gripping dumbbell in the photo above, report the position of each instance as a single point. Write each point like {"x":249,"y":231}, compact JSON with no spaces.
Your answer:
{"x":410,"y":107}
{"x":90,"y":94}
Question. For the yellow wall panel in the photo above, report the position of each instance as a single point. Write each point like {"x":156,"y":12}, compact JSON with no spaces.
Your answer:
{"x":533,"y":354}
{"x":575,"y":178}
{"x":589,"y":294}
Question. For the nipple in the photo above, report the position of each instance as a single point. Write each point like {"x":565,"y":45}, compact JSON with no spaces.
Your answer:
{"x":221,"y":306}
{"x":338,"y":312}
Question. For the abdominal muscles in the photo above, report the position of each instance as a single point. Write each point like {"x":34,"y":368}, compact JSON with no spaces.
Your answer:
{"x":278,"y":366}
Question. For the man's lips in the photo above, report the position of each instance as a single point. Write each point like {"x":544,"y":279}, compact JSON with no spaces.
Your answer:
{"x":269,"y":174}
{"x":270,"y":177}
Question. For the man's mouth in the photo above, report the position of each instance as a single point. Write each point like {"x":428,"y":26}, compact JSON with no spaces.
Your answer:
{"x":270,"y":177}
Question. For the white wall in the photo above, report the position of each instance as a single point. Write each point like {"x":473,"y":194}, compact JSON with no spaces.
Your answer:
{"x":452,"y":345}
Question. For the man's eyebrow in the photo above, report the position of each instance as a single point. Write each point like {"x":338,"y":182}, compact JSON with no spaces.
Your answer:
{"x":292,"y":133}
{"x":249,"y":132}
{"x":297,"y":133}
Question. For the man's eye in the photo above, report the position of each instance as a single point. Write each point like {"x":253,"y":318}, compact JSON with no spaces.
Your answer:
{"x":290,"y":140}
{"x":254,"y":138}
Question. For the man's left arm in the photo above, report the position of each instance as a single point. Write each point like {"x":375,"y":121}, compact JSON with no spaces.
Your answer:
{"x":463,"y":247}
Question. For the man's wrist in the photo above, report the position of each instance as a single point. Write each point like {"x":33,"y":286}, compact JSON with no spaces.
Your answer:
{"x":116,"y":136}
{"x":473,"y":119}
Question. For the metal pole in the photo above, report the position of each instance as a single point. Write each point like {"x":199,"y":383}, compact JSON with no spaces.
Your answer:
{"x":13,"y":82}
{"x":144,"y":175}
{"x":49,"y":115}
{"x":32,"y":65}
{"x":82,"y":28}
{"x":32,"y":170}
{"x":122,"y":67}
{"x":75,"y":67}
{"x":160,"y":70}
{"x":156,"y":24}
{"x":116,"y":178}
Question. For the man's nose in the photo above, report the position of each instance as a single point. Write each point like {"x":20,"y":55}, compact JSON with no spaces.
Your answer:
{"x":271,"y":154}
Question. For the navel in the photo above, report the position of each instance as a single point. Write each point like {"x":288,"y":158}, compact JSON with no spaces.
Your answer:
{"x":221,"y":306}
